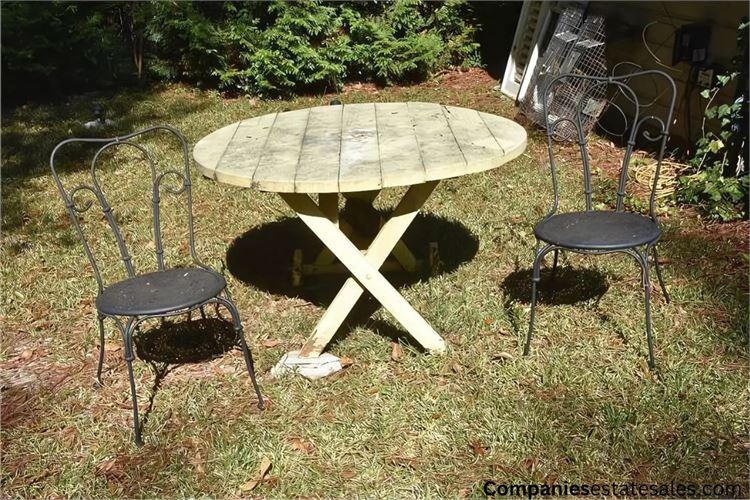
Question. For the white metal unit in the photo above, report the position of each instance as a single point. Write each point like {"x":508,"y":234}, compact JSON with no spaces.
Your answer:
{"x":532,"y":24}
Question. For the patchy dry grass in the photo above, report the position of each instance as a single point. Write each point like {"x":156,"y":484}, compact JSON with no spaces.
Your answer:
{"x":581,"y":407}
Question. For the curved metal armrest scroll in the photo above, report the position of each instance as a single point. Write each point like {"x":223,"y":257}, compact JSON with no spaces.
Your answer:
{"x":72,"y":194}
{"x":661,"y":131}
{"x":185,"y":182}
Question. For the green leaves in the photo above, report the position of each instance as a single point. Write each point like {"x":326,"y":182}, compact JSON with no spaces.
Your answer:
{"x":281,"y":48}
{"x":719,"y":196}
{"x":715,"y":146}
{"x":267,"y":48}
{"x":723,"y":79}
{"x":50,"y":49}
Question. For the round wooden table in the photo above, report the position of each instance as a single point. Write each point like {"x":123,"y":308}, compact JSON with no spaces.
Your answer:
{"x":357,"y":150}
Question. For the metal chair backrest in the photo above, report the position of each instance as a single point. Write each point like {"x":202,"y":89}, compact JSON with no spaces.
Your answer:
{"x":587,"y":90}
{"x":76,"y":209}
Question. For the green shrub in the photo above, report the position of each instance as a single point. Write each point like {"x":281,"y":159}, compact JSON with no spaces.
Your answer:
{"x":51,"y":49}
{"x":720,"y":196}
{"x":252,"y":48}
{"x":283,"y":47}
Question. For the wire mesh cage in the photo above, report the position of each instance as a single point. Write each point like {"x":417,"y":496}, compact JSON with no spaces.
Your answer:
{"x":576,"y":46}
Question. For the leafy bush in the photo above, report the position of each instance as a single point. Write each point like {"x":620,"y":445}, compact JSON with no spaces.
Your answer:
{"x":56,"y":48}
{"x":718,"y":196}
{"x":252,"y":48}
{"x":282,"y":47}
{"x":721,"y":196}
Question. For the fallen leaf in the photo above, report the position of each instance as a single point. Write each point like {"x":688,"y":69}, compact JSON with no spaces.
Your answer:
{"x":265,"y":466}
{"x":454,"y":339}
{"x":409,"y":462}
{"x":347,"y":474}
{"x":529,"y":464}
{"x":477,"y":448}
{"x":488,"y":321}
{"x":503,"y":356}
{"x":346,"y":361}
{"x":197,"y":462}
{"x":68,"y":435}
{"x":38,"y":478}
{"x":270,"y":343}
{"x":57,"y":379}
{"x":110,"y":469}
{"x":301,"y":445}
{"x":27,"y":354}
{"x":396,"y":352}
{"x":456,"y":368}
{"x":271,"y":482}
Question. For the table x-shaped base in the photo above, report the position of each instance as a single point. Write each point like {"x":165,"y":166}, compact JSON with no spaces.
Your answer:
{"x":365,"y":269}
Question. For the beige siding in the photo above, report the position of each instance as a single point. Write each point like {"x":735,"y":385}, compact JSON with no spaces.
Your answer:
{"x":626,"y":21}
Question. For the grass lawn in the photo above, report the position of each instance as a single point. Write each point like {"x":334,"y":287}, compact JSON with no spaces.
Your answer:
{"x":583,"y":407}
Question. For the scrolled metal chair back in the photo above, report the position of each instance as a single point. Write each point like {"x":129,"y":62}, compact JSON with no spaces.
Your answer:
{"x":589,"y":86}
{"x":77,"y":207}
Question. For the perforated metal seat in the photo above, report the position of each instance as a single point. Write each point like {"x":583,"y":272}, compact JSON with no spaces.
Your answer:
{"x":160,"y":292}
{"x":598,"y":230}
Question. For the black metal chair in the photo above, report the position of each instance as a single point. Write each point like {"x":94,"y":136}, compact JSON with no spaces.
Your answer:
{"x":159,"y":294}
{"x":602,"y":232}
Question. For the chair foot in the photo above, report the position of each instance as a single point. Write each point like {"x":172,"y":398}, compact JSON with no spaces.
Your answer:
{"x":245,"y":349}
{"x":251,"y":368}
{"x":136,"y":423}
{"x":101,"y":354}
{"x":649,"y":333}
{"x":527,"y":346}
{"x":535,"y":278}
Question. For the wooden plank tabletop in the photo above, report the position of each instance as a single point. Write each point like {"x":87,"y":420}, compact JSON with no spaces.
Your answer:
{"x":357,"y":147}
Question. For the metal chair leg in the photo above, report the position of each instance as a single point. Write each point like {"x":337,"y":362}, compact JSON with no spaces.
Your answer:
{"x":658,"y":275}
{"x":649,"y":334}
{"x":526,"y":347}
{"x":250,"y":366}
{"x":136,"y":423}
{"x":245,"y":349}
{"x":127,"y":337}
{"x":101,"y":352}
{"x":535,"y":278}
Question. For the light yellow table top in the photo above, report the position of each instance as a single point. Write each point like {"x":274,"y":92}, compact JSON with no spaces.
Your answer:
{"x":358,"y":147}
